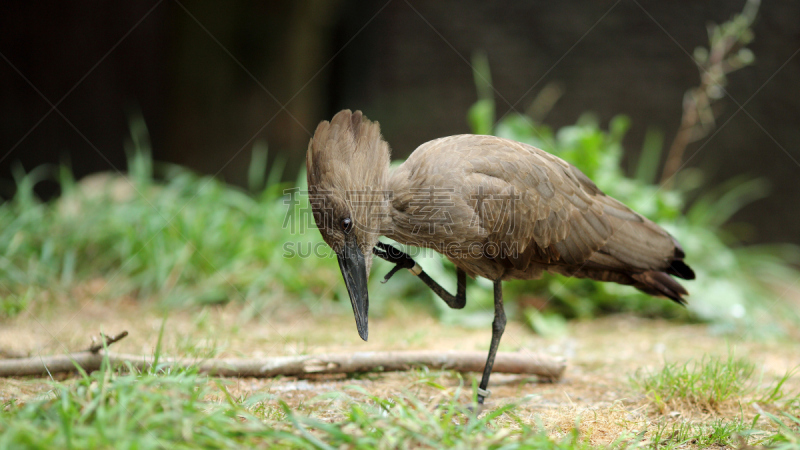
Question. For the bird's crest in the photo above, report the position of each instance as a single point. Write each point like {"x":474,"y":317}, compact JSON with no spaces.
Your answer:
{"x":348,"y":167}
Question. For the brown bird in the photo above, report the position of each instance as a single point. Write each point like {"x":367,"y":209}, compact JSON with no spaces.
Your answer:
{"x":495,"y":208}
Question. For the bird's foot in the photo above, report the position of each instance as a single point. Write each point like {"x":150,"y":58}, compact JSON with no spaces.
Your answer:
{"x":467,"y":410}
{"x":477,"y":408}
{"x":474,"y":409}
{"x":397,"y":257}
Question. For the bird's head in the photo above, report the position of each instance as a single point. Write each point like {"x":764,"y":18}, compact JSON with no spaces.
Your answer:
{"x":348,"y":165}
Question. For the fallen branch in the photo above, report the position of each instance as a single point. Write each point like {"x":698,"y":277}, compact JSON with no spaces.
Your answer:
{"x":543,"y":366}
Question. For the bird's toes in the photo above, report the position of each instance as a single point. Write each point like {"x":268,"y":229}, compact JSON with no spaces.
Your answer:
{"x":467,"y":410}
{"x":391,"y":273}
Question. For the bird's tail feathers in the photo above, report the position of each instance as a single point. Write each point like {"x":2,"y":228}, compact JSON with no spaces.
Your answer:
{"x":660,"y":284}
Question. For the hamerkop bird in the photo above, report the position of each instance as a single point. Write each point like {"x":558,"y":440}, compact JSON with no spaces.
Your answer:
{"x":495,"y":208}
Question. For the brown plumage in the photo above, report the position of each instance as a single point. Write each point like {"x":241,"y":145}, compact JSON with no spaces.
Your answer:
{"x":496,"y":208}
{"x":540,"y":212}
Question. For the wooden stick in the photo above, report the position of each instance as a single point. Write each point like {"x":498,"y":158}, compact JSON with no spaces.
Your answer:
{"x":544,"y":366}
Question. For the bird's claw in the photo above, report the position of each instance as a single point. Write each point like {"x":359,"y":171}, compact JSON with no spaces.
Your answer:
{"x":395,"y":256}
{"x":391,"y":273}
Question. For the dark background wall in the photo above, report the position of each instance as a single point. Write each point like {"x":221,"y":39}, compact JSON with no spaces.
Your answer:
{"x":211,"y":78}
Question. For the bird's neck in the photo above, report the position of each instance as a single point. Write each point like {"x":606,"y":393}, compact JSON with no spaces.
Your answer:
{"x":397,"y":215}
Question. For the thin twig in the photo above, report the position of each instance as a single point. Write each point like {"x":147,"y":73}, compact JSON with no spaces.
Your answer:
{"x":106,"y":341}
{"x":727,"y":53}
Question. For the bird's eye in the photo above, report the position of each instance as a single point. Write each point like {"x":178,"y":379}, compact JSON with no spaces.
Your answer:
{"x":347,"y":225}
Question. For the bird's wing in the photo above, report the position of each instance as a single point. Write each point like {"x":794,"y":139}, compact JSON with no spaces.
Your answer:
{"x":536,"y":207}
{"x":530,"y":210}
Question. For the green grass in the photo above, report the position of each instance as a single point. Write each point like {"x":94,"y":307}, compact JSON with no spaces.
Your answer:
{"x":109,"y":410}
{"x":714,"y":387}
{"x":705,"y":384}
{"x":188,"y":240}
{"x":184,"y":240}
{"x":777,"y":432}
{"x":710,"y":382}
{"x":182,"y":409}
{"x":718,"y":432}
{"x":788,"y":434}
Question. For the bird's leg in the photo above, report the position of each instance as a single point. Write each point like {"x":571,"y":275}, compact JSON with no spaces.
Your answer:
{"x":498,"y":326}
{"x":403,"y":261}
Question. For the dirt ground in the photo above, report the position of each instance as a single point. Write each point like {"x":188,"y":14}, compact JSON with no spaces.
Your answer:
{"x":602,"y":356}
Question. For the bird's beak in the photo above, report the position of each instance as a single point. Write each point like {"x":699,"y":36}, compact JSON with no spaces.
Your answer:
{"x":354,"y":271}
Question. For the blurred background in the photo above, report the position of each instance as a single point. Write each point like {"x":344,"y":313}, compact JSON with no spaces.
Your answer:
{"x":210,"y":79}
{"x":686,"y":111}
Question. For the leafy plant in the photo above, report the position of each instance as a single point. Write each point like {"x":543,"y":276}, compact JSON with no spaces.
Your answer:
{"x":186,"y":239}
